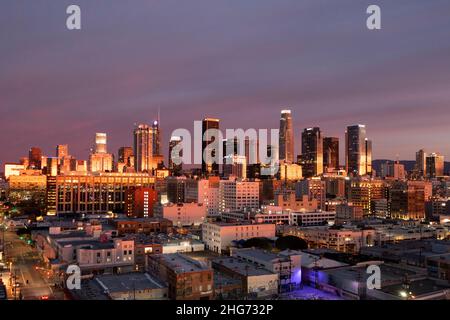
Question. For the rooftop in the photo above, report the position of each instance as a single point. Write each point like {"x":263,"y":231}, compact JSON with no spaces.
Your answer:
{"x":128,"y":282}
{"x":181,"y":263}
{"x":241,"y":267}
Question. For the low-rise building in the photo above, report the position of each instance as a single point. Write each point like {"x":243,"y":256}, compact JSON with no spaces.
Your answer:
{"x":187,"y":279}
{"x":218,"y":236}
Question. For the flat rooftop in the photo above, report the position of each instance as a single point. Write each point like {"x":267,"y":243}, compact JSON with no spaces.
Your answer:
{"x":241,"y":267}
{"x":128,"y":282}
{"x":181,"y":263}
{"x":258,"y":254}
{"x":417,"y":288}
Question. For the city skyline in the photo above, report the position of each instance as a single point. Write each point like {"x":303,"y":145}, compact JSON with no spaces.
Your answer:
{"x":58,"y":87}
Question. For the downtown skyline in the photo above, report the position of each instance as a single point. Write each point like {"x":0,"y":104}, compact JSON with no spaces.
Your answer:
{"x":58,"y":87}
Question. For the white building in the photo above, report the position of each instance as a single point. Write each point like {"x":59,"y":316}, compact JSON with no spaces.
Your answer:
{"x":315,"y":218}
{"x":237,"y":195}
{"x":219,"y":236}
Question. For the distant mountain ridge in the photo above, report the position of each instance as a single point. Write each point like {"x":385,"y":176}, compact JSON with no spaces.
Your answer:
{"x":409,"y":164}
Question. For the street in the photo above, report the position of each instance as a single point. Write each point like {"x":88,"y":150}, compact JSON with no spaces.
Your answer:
{"x":25,"y":258}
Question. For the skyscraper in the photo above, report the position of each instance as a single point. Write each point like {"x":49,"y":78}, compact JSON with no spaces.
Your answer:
{"x":143,"y":147}
{"x":312,"y":152}
{"x":35,"y":158}
{"x":358,"y":151}
{"x":62,"y":151}
{"x":209,"y":166}
{"x":156,"y":139}
{"x":100,"y":160}
{"x":286,"y":141}
{"x":435,"y":165}
{"x":421,"y":163}
{"x":175,"y":169}
{"x":330,"y":153}
{"x":125,"y":155}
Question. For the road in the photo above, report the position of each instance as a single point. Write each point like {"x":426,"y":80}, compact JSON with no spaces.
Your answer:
{"x":33,"y":285}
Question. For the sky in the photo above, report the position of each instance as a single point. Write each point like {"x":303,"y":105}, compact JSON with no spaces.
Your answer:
{"x":242,"y":61}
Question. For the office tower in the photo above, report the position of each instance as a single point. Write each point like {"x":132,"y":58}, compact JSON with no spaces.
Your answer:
{"x":25,"y":161}
{"x":251,"y":148}
{"x":435,"y":165}
{"x":421,"y":163}
{"x":100,"y":143}
{"x":52,"y":166}
{"x":62,"y":151}
{"x":176,"y":188}
{"x":363,"y":192}
{"x":235,"y":195}
{"x":286,"y":143}
{"x":312,"y":152}
{"x":175,"y":169}
{"x":209,"y":166}
{"x":235,"y":166}
{"x":393,"y":170}
{"x":330,"y":153}
{"x":314,"y":188}
{"x":140,"y":201}
{"x":358,"y":151}
{"x":99,"y":159}
{"x":35,"y":158}
{"x":368,"y":157}
{"x":143,"y":148}
{"x":408,"y":198}
{"x":125,"y":156}
{"x":156,"y":138}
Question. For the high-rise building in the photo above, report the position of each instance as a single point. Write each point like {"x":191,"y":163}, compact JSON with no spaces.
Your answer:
{"x":143,"y":148}
{"x":62,"y":151}
{"x":408,"y":198}
{"x":156,"y":139}
{"x":421,"y":163}
{"x":35,"y":158}
{"x":312,"y":152}
{"x":175,"y":169}
{"x":358,"y":151}
{"x":435,"y":165}
{"x":140,"y":201}
{"x":330,"y":153}
{"x":125,"y":154}
{"x":235,"y":195}
{"x":100,"y":160}
{"x":210,"y":166}
{"x":286,"y":141}
{"x":236,"y":166}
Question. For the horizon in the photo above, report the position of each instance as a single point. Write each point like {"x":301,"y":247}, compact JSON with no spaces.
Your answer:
{"x":241,"y":62}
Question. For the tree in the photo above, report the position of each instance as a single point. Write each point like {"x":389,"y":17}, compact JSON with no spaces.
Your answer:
{"x":260,"y":243}
{"x":291,"y":242}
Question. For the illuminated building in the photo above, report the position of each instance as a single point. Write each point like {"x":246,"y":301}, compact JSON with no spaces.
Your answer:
{"x":13,"y":169}
{"x":435,"y":165}
{"x":286,"y":140}
{"x":140,"y":202}
{"x":314,"y":188}
{"x":290,"y":171}
{"x":312,"y":152}
{"x":96,"y":193}
{"x":52,"y":167}
{"x":330,"y":153}
{"x":358,"y":155}
{"x":143,"y":148}
{"x":288,"y":201}
{"x":99,"y":159}
{"x":35,"y":158}
{"x":156,"y":139}
{"x":407,"y":199}
{"x":210,"y":166}
{"x":125,"y":156}
{"x":421,"y":163}
{"x":143,"y":226}
{"x":361,"y":193}
{"x":393,"y":170}
{"x":62,"y":151}
{"x":175,"y":169}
